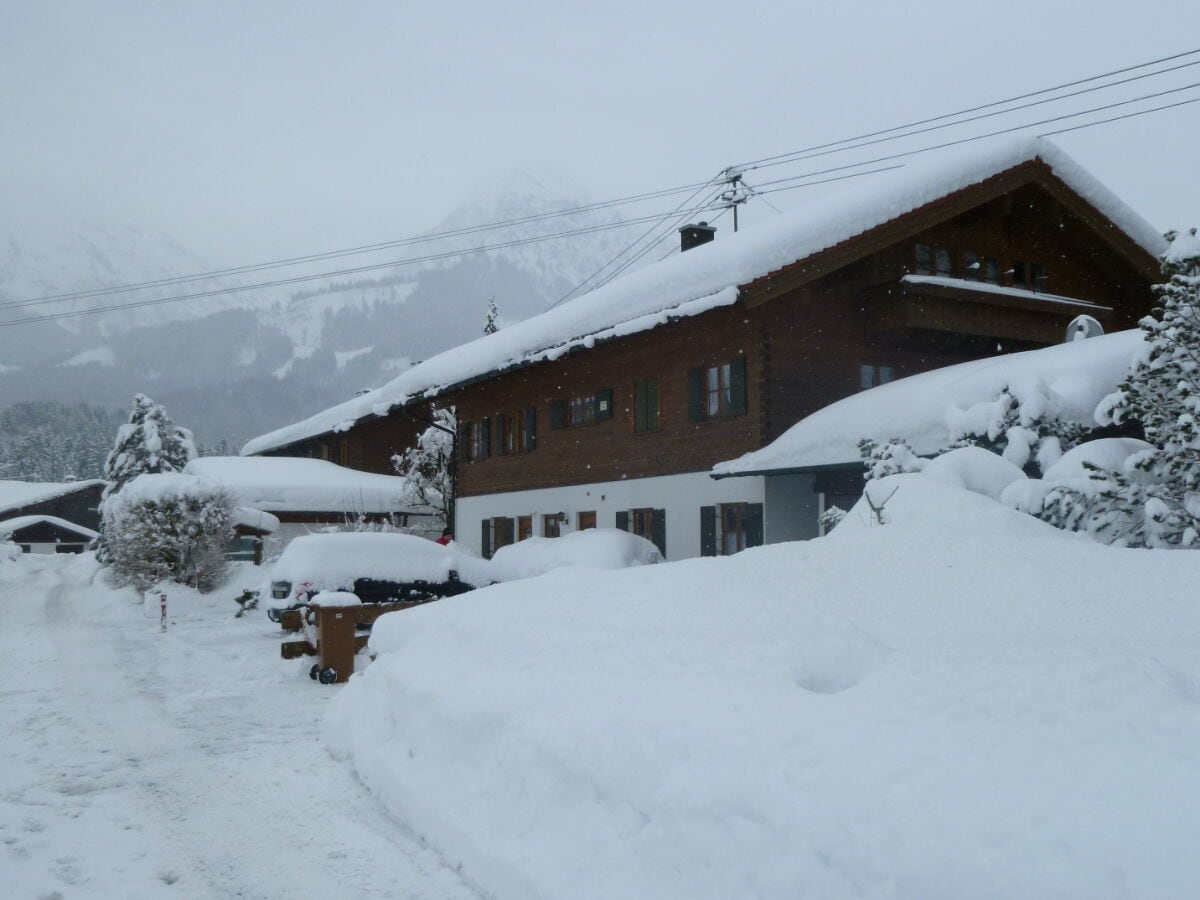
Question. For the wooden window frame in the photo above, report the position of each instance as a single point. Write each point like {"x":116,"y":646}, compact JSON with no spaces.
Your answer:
{"x":943,"y":262}
{"x":588,"y":515}
{"x":524,"y":528}
{"x":552,"y":525}
{"x":972,"y":267}
{"x":731,"y":399}
{"x":872,"y":375}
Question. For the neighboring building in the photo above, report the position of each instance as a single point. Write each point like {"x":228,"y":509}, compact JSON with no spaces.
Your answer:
{"x":46,"y":534}
{"x":816,"y":463}
{"x":50,"y":513}
{"x":611,"y":409}
{"x":281,"y":499}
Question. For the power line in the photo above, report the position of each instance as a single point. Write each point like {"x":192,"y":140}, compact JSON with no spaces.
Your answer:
{"x":633,"y":198}
{"x":803,"y":155}
{"x":963,"y":112}
{"x":979,"y":137}
{"x":1140,"y":112}
{"x":659,"y":219}
{"x":628,"y":247}
{"x":474,"y":229}
{"x":137,"y":304}
{"x":364,"y":248}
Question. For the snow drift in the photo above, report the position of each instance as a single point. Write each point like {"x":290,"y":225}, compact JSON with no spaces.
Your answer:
{"x":964,"y":702}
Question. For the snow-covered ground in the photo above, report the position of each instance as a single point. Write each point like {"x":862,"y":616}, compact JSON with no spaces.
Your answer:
{"x":963,"y":702}
{"x":188,"y":764}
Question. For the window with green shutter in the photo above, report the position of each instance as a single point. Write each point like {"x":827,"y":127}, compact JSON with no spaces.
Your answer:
{"x":645,"y":405}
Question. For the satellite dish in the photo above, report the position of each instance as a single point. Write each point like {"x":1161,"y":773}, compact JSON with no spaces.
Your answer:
{"x":1083,"y":327}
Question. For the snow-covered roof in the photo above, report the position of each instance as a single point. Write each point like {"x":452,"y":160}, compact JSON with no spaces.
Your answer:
{"x":15,"y":494}
{"x":709,"y":276}
{"x":279,"y":484}
{"x":923,"y":408}
{"x":11,"y":526}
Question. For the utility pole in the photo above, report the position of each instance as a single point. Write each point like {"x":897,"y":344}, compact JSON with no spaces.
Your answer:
{"x":735,"y":193}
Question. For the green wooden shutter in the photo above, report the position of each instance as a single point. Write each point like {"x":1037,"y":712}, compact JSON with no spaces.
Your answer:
{"x":639,"y":405}
{"x":658,"y":531}
{"x":737,"y":385}
{"x":604,"y":404}
{"x":651,"y":404}
{"x":696,"y":395}
{"x":708,"y":531}
{"x":485,"y":434}
{"x":623,"y":519}
{"x":486,"y":541}
{"x":558,"y":414}
{"x":530,"y":442}
{"x":752,"y":524}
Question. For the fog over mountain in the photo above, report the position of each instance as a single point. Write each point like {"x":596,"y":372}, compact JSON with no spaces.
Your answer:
{"x":236,"y":364}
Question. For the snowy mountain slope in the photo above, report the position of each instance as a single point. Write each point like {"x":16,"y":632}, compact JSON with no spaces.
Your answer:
{"x":212,"y":359}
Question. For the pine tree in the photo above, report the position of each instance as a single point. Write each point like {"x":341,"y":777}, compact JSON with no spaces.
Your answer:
{"x":149,"y":443}
{"x":1157,"y":502}
{"x":492,"y":324}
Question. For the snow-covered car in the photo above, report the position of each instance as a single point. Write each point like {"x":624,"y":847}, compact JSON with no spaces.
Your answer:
{"x":596,"y":548}
{"x":377,"y":567}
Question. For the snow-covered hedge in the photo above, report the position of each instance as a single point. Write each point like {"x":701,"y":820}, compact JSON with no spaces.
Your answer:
{"x":168,"y":527}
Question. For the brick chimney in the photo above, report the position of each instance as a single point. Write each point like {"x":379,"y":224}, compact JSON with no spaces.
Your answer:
{"x":694,"y":235}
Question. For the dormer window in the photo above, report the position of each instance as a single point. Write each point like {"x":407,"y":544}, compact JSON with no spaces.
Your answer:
{"x":942,"y":259}
{"x":991,"y":270}
{"x":971,"y":267}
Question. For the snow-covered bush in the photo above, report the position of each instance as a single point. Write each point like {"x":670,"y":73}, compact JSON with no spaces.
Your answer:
{"x":1023,"y":423}
{"x":1154,"y":501}
{"x":8,"y":551}
{"x":895,"y":457}
{"x":169,"y":527}
{"x":427,"y":469}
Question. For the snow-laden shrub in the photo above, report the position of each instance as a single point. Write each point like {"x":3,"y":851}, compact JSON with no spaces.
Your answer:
{"x":9,"y":552}
{"x":169,"y":527}
{"x":1024,"y":423}
{"x":895,"y":457}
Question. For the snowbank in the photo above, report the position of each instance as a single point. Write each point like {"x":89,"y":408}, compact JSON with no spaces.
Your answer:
{"x":961,"y":703}
{"x":331,"y":562}
{"x":709,"y":276}
{"x":597,"y":548}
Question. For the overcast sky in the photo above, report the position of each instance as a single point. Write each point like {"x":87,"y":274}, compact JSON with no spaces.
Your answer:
{"x":250,"y":130}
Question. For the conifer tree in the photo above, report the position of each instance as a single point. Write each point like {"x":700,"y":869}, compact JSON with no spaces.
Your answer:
{"x":1161,"y":507}
{"x":492,"y":324}
{"x":149,"y":443}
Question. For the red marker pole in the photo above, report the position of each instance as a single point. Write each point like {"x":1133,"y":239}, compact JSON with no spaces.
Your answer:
{"x":162,"y":607}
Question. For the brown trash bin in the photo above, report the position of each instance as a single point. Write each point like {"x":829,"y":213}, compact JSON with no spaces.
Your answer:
{"x":337,"y":614}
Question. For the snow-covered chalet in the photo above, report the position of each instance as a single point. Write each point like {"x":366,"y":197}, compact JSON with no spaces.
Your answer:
{"x":613,"y":408}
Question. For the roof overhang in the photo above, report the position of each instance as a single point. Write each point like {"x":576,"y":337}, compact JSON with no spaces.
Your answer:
{"x":804,"y":271}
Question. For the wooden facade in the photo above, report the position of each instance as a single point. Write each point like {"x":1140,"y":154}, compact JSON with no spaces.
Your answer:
{"x":369,"y":446}
{"x":82,"y":506}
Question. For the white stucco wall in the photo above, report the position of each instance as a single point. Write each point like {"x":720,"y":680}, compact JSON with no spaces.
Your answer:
{"x":681,"y":496}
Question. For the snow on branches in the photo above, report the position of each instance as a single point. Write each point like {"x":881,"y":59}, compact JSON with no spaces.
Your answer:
{"x":169,"y":527}
{"x":427,"y":468}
